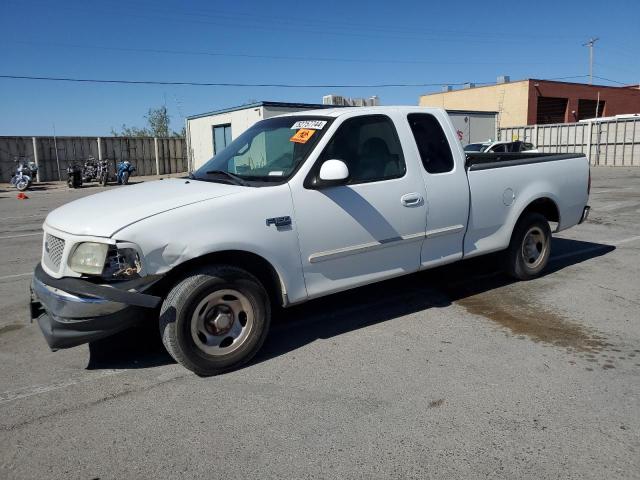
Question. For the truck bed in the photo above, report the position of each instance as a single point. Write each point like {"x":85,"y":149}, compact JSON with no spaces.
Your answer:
{"x":484,"y":161}
{"x":501,"y":185}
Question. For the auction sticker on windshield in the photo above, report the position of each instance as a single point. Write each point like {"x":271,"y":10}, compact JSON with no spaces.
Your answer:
{"x":302,"y":135}
{"x":313,"y":124}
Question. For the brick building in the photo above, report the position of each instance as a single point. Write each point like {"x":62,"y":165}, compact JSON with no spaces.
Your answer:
{"x":528,"y":102}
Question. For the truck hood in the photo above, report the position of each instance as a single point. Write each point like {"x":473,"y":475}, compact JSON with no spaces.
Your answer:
{"x":105,"y":213}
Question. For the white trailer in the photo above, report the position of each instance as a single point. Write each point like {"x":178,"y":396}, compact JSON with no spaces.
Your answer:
{"x":473,"y":127}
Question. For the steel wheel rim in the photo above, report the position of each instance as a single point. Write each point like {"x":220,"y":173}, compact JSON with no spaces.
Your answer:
{"x":222,"y":322}
{"x":534,"y":247}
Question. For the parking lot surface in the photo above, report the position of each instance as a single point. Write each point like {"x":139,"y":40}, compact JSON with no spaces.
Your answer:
{"x":453,"y":373}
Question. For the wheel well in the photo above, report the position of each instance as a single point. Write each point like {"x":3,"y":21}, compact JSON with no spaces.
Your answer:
{"x":545,"y":207}
{"x":252,"y":263}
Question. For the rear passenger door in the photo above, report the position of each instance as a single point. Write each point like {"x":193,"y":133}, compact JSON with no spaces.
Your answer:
{"x":447,"y":190}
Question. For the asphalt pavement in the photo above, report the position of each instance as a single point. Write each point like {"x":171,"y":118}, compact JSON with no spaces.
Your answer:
{"x":453,"y":373}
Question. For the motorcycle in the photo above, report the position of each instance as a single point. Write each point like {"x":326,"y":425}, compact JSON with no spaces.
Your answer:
{"x":125,"y":169}
{"x":74,"y":178}
{"x":96,"y":171}
{"x":24,"y":175}
{"x":89,"y":170}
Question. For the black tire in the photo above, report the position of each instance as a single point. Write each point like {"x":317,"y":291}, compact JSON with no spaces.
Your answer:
{"x":530,"y":247}
{"x":22,"y":185}
{"x":125,"y":178}
{"x":178,"y":313}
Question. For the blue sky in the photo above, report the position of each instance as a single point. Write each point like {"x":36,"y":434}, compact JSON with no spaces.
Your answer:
{"x":328,"y":42}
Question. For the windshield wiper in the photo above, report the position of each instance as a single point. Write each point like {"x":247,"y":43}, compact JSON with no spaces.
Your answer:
{"x":236,"y":179}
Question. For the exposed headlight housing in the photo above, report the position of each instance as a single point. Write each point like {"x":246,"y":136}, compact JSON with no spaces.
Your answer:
{"x":122,"y":264}
{"x":89,"y":258}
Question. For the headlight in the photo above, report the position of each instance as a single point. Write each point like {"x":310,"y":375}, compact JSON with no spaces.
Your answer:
{"x":108,"y":261}
{"x":89,"y":258}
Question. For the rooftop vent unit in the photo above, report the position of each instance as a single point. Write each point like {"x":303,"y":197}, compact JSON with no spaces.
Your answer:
{"x":350,"y":102}
{"x":469,"y":85}
{"x":504,"y":79}
{"x":447,"y":88}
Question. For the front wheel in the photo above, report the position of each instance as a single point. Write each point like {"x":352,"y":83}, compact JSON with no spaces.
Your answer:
{"x":22,"y":184}
{"x":125,"y":178}
{"x":215,"y":319}
{"x":103,"y":180}
{"x":530,"y":247}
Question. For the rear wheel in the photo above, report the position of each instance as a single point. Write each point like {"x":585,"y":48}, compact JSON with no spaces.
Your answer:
{"x":215,"y":320}
{"x":530,"y":247}
{"x":125,"y":178}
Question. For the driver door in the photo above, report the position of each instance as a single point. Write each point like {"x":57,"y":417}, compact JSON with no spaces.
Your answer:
{"x":372,"y":226}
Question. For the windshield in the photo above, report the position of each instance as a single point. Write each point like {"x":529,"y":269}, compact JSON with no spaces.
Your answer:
{"x":270,"y":151}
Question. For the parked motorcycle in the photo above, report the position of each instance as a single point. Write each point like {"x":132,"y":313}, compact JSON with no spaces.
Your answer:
{"x":24,"y":175}
{"x":89,"y":170}
{"x":125,"y":169}
{"x":96,"y":171}
{"x":102,"y":173}
{"x":74,"y":176}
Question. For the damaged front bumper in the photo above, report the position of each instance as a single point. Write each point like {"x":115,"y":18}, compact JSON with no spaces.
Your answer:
{"x":73,"y":311}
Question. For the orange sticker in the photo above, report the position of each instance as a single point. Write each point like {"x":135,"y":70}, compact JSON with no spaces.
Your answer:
{"x":302,"y":135}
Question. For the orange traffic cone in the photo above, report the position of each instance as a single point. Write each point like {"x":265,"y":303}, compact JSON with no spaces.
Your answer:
{"x":22,"y":196}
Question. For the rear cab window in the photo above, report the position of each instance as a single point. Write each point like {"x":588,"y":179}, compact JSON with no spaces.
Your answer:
{"x":433,"y":146}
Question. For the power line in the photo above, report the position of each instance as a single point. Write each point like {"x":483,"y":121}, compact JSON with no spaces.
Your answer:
{"x":274,"y":85}
{"x":277,"y":25}
{"x":609,"y":80}
{"x":272,"y":57}
{"x":232,"y":84}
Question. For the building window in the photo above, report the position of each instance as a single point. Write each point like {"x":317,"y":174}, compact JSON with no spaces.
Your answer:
{"x":551,"y":109}
{"x":221,"y":137}
{"x":587,"y":108}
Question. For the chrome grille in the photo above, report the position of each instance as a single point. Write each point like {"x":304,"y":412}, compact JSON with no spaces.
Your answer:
{"x":53,"y":249}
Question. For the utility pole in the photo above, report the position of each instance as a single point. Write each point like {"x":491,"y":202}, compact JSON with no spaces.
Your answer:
{"x":590,"y":44}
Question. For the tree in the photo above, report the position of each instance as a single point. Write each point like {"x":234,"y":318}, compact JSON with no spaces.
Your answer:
{"x":158,"y":120}
{"x":158,"y":125}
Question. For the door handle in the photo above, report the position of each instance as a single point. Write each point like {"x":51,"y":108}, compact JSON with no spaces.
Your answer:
{"x":411,"y":199}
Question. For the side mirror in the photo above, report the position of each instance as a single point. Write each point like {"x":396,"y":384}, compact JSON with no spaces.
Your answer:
{"x":333,"y":172}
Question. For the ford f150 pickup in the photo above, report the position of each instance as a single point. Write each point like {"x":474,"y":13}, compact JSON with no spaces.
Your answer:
{"x":297,"y":207}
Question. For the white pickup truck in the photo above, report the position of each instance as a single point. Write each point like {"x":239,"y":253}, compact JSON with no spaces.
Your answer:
{"x":297,"y":207}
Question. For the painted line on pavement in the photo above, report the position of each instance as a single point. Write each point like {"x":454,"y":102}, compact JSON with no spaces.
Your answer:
{"x":606,"y":243}
{"x":6,"y":277}
{"x":626,"y":240}
{"x":24,"y":216}
{"x":20,"y":236}
{"x":12,"y":395}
